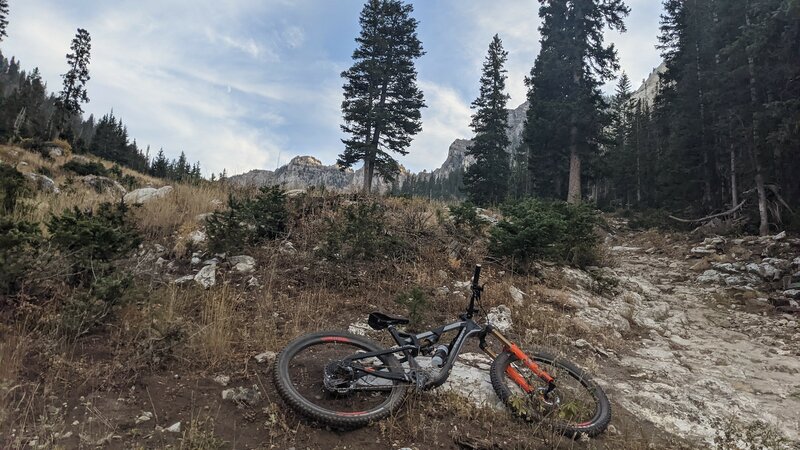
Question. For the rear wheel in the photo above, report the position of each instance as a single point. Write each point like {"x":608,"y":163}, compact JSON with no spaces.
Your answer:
{"x":309,"y":377}
{"x":577,"y":405}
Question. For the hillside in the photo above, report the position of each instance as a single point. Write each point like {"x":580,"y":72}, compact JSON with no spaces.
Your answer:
{"x":691,"y":336}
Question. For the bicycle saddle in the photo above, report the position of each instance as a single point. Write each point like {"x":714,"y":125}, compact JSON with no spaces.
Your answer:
{"x":379,"y":321}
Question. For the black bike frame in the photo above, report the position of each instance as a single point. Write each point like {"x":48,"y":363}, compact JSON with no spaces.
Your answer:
{"x":409,"y":346}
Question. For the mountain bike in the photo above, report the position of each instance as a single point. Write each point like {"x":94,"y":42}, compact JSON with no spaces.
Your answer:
{"x":347,"y":381}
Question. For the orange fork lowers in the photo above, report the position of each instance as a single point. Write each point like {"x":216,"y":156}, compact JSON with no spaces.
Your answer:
{"x":512,"y":372}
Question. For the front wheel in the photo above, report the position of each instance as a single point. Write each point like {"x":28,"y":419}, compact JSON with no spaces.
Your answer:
{"x":575,"y":407}
{"x":309,"y":377}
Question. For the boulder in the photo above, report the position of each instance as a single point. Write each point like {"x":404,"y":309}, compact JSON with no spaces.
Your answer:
{"x":243,"y":263}
{"x":294,"y":193}
{"x":144,"y":195}
{"x":765,"y":270}
{"x":42,"y":183}
{"x":207,"y":276}
{"x":103,"y":185}
{"x":792,"y":293}
{"x":780,"y":236}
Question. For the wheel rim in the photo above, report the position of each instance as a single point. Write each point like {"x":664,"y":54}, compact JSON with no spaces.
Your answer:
{"x":572,"y":405}
{"x":307,"y":370}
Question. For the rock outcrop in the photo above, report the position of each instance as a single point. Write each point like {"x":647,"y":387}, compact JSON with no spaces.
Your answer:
{"x":144,"y":195}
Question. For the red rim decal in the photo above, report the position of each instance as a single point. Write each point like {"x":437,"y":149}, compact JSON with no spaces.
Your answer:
{"x":335,"y":339}
{"x":358,"y":413}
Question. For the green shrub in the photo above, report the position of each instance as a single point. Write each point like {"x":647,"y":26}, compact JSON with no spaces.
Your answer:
{"x":465,"y":216}
{"x":12,"y":185}
{"x":417,"y":305}
{"x":362,"y":233}
{"x":91,"y":241}
{"x":87,"y":309}
{"x":249,"y":221}
{"x":19,"y":245}
{"x":88,"y":168}
{"x":555,"y":231}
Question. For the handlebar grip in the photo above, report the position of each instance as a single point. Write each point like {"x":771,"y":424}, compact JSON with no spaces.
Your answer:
{"x":477,"y":276}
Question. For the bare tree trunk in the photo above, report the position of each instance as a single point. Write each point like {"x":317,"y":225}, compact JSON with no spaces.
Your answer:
{"x":763,"y":227}
{"x":734,"y":187}
{"x":369,"y":169}
{"x":574,"y":193}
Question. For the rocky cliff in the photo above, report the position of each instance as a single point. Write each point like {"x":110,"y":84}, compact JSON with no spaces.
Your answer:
{"x":305,"y":171}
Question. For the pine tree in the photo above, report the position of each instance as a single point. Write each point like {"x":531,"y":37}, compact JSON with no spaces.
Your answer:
{"x":74,"y":92}
{"x":3,"y":19}
{"x":486,"y":180}
{"x":567,"y":108}
{"x":160,"y":166}
{"x":381,"y":109}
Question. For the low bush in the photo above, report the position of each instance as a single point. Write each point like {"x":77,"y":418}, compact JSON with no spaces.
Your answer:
{"x":12,"y":185}
{"x":248,"y":221}
{"x":465,"y":217}
{"x":417,"y":305}
{"x":361,"y":232}
{"x":535,"y":230}
{"x":92,"y":241}
{"x":19,"y":244}
{"x":87,"y":168}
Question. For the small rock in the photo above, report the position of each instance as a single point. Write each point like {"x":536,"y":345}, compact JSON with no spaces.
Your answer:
{"x":287,"y":248}
{"x":242,"y":395}
{"x":144,"y":417}
{"x":174,"y":428}
{"x":780,"y":236}
{"x":293,"y":193}
{"x":243,"y":263}
{"x":253,"y":283}
{"x":582,"y":343}
{"x":516,"y":294}
{"x":195,"y":260}
{"x":500,"y":318}
{"x":197,"y":237}
{"x":702,"y":251}
{"x":266,"y":357}
{"x":701,"y":266}
{"x":201,"y":218}
{"x":442,"y":291}
{"x":207,"y":276}
{"x":222,"y":379}
{"x":184,"y":280}
{"x":443,"y":275}
{"x":792,"y":293}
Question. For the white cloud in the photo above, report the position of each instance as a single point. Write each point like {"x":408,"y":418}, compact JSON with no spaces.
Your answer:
{"x":446,"y":118}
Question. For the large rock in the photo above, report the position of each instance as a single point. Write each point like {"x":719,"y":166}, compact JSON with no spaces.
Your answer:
{"x":103,"y":185}
{"x":207,"y":276}
{"x":765,"y":270}
{"x":144,"y":195}
{"x":243,"y":396}
{"x":42,"y":183}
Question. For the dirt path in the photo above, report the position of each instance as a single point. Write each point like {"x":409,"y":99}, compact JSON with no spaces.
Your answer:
{"x":703,"y":357}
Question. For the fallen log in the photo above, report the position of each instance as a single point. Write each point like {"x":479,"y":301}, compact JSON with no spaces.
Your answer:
{"x":713,"y":216}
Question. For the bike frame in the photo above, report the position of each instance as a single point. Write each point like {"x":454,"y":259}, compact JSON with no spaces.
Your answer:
{"x":409,"y":345}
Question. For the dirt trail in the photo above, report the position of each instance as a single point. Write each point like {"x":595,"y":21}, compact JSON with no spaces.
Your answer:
{"x":703,"y":357}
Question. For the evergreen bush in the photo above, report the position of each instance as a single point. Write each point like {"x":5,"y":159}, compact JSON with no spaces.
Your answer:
{"x":534,"y":230}
{"x":88,"y":168}
{"x":249,"y":221}
{"x":362,"y":233}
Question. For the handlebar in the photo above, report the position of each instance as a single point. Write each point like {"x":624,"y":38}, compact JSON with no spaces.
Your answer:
{"x":477,"y":276}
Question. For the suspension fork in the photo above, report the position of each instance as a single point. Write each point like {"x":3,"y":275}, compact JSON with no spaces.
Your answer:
{"x":512,"y":372}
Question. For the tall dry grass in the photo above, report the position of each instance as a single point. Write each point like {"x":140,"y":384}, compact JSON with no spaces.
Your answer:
{"x":179,"y":211}
{"x":215,"y":336}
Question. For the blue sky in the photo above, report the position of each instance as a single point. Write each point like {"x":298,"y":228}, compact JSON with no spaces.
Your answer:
{"x":245,"y":84}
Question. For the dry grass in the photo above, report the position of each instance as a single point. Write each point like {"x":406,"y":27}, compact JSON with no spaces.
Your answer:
{"x":178,"y":211}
